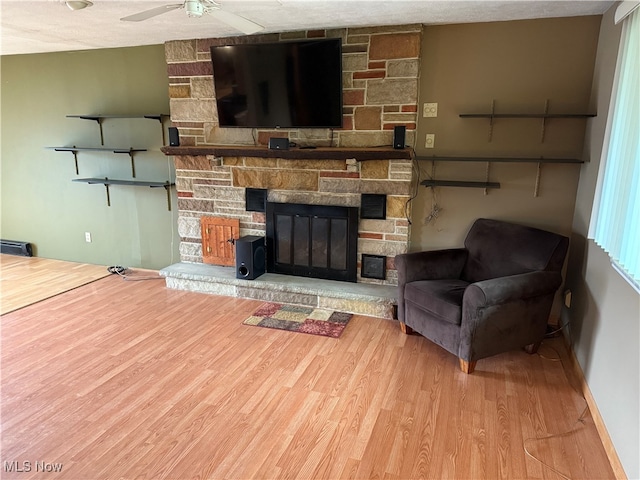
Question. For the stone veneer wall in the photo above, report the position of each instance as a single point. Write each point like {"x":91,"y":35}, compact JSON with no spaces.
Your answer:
{"x":380,"y":91}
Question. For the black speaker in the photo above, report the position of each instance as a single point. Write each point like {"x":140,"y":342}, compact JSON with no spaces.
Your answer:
{"x":278,"y":143}
{"x":250,"y":257}
{"x":174,"y":137}
{"x":256,"y":199}
{"x":373,"y":205}
{"x":399,"y":133}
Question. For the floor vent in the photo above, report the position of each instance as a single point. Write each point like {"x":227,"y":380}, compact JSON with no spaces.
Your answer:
{"x":16,"y":248}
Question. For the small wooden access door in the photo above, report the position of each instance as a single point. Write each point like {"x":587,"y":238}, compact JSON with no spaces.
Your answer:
{"x":218,"y":235}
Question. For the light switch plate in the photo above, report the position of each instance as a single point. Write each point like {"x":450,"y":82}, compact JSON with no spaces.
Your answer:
{"x":430,"y":110}
{"x":430,"y":140}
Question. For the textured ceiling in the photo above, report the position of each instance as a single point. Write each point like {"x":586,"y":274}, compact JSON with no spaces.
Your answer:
{"x":49,"y":26}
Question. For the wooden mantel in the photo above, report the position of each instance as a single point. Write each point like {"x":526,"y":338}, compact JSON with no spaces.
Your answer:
{"x":330,"y":153}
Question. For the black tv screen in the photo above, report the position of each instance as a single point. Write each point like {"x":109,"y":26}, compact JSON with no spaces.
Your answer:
{"x":279,"y":85}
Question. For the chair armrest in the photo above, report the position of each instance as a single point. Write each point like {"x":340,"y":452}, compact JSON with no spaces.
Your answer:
{"x":506,"y":313}
{"x":430,"y":265}
{"x":496,"y":291}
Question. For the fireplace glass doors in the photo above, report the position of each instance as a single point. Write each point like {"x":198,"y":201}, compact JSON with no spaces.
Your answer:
{"x":316,"y":241}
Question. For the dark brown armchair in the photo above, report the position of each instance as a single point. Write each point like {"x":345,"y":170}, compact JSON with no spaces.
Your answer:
{"x":492,"y":296}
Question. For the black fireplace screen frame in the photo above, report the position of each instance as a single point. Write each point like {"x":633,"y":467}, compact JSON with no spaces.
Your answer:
{"x":290,"y":233}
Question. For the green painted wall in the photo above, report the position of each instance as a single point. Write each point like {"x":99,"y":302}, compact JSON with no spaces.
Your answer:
{"x":40,"y":203}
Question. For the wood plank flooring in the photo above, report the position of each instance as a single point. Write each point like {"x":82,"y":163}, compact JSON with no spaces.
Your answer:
{"x":26,"y":280}
{"x":130,"y":380}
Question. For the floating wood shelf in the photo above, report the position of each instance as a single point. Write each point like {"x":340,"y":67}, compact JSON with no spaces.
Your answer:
{"x":98,"y":118}
{"x":544,"y":116}
{"x":319,"y":153}
{"x":501,"y":159}
{"x":490,"y":160}
{"x":75,"y":150}
{"x":158,"y":117}
{"x":99,"y":149}
{"x":527,"y":115}
{"x":131,"y":183}
{"x":492,"y":115}
{"x":459,"y":183}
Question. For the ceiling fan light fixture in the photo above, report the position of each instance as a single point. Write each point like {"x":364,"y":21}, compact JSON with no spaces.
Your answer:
{"x":78,"y":4}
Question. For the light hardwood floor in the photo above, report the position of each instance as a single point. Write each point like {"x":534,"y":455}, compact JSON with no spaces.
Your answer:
{"x":131,"y":380}
{"x":26,"y":280}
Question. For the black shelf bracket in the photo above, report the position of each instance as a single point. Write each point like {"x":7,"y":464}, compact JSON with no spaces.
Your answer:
{"x":536,"y":187}
{"x":75,"y":155}
{"x":488,"y":168}
{"x":130,"y":152}
{"x":99,"y":118}
{"x":159,"y":118}
{"x":95,"y":118}
{"x":493,"y":111}
{"x":167,"y":189}
{"x":106,"y":186}
{"x":544,"y":120}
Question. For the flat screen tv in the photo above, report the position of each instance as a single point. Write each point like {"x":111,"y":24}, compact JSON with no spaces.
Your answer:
{"x":279,"y":85}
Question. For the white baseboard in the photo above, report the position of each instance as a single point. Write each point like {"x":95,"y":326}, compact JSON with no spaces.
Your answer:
{"x":614,"y":460}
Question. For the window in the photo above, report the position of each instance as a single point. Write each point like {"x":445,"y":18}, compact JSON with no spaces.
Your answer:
{"x":615,"y":220}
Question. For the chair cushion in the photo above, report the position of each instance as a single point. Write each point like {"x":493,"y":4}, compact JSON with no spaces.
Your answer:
{"x":439,"y":298}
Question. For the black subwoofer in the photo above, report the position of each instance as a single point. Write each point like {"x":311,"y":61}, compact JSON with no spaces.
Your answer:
{"x":250,"y":257}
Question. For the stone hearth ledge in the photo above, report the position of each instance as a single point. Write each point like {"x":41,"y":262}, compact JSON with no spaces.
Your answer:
{"x":357,"y":298}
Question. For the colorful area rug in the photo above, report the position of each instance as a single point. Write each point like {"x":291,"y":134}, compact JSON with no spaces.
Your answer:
{"x":315,"y":321}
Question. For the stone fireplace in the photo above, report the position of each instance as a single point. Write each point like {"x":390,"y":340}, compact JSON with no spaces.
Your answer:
{"x":215,"y":166}
{"x":211,"y":185}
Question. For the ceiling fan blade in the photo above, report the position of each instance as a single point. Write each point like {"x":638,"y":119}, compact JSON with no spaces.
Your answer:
{"x":138,"y":17}
{"x":236,"y":21}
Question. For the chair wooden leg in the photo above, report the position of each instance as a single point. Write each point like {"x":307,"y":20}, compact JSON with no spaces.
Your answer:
{"x":466,"y":366}
{"x":405,"y":329}
{"x":532,"y":348}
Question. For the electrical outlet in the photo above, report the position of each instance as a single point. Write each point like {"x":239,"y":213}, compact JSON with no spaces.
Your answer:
{"x":87,"y":237}
{"x":430,"y":110}
{"x":567,"y":298}
{"x":430,"y":140}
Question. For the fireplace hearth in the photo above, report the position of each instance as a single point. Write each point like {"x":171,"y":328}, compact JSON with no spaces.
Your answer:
{"x":318,"y":241}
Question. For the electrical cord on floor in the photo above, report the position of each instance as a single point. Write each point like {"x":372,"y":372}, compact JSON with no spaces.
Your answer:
{"x":122,"y":272}
{"x":116,"y":269}
{"x":581,"y":419}
{"x":553,"y":333}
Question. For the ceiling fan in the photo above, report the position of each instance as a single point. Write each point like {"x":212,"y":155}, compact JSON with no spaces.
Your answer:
{"x":197,"y":8}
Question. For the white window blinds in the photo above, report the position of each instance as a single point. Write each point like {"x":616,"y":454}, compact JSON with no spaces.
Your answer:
{"x":615,"y":220}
